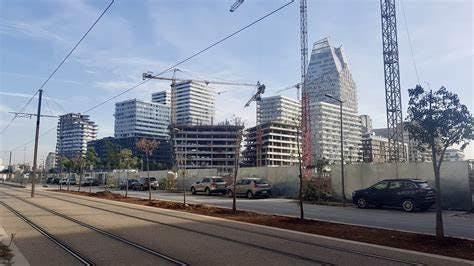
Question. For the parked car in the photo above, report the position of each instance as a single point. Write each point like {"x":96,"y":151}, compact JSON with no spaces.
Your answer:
{"x":65,"y":180}
{"x":89,"y":181}
{"x":49,"y":180}
{"x":131,"y":184}
{"x":142,"y":183}
{"x":251,"y":188}
{"x":209,"y":185}
{"x":408,"y":194}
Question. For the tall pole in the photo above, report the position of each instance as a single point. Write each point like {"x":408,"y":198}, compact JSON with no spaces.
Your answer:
{"x":342,"y":158}
{"x":300,"y":194}
{"x":185,"y":163}
{"x":35,"y":153}
{"x":10,"y":168}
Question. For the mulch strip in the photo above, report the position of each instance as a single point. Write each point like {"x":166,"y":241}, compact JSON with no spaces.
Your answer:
{"x":449,"y":246}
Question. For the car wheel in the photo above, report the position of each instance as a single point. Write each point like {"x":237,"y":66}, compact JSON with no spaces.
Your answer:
{"x":193,"y":191}
{"x":362,"y":203}
{"x":249,"y":195}
{"x":408,"y":205}
{"x":229,"y":193}
{"x":208,"y":191}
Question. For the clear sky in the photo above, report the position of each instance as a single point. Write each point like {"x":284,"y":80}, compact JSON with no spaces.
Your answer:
{"x":139,"y":36}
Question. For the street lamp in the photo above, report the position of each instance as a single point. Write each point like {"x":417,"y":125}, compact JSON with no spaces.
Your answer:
{"x":342,"y":148}
{"x":185,"y":162}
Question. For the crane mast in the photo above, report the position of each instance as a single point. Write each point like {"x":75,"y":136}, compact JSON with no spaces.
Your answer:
{"x":393,"y":99}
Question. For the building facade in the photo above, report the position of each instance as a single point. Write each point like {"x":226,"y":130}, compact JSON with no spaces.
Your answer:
{"x":414,"y":151}
{"x":272,"y":143}
{"x":206,"y":146}
{"x":73,"y":132}
{"x":50,"y":162}
{"x":366,"y":123}
{"x":162,"y":97}
{"x":160,"y":159}
{"x":135,"y":118}
{"x":278,"y":108}
{"x":328,"y":73}
{"x":326,"y":138}
{"x":192,"y":103}
{"x":453,"y":155}
{"x":375,"y":148}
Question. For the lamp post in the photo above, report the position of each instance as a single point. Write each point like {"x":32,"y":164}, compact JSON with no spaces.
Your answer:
{"x":342,"y":148}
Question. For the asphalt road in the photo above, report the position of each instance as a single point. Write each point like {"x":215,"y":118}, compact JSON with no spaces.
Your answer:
{"x":458,"y":224}
{"x":187,"y":238}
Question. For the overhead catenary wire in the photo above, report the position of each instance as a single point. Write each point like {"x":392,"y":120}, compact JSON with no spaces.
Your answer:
{"x":59,"y":65}
{"x":191,"y":56}
{"x":410,"y":43}
{"x":169,"y":68}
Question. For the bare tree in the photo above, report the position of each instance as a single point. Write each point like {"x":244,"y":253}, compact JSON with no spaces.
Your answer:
{"x":127,"y":161}
{"x":239,"y":123}
{"x":147,"y":146}
{"x":438,"y":120}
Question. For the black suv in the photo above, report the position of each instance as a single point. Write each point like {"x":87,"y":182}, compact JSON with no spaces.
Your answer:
{"x":409,"y":194}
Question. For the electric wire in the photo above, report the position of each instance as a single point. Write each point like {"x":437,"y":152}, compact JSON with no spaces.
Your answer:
{"x":169,"y":68}
{"x":60,"y":64}
{"x":191,"y":56}
{"x":410,"y":43}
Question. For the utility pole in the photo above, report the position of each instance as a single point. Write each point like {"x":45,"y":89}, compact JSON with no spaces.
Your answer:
{"x":10,"y":168}
{"x":35,"y":153}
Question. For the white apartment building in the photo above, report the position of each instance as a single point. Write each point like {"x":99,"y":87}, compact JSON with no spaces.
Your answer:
{"x":163,"y":97}
{"x":326,"y":133}
{"x":278,"y":108}
{"x":50,"y":161}
{"x":453,"y":155}
{"x":73,"y":133}
{"x":192,"y":103}
{"x":328,"y":73}
{"x":135,"y":118}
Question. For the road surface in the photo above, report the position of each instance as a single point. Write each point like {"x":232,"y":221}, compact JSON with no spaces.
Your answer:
{"x":102,"y":232}
{"x":457,"y":223}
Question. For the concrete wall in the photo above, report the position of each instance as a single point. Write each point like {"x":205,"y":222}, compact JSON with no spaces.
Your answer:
{"x":455,"y":189}
{"x":284,"y":180}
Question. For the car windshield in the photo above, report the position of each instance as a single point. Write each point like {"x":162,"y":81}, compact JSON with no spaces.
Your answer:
{"x":260,"y":181}
{"x":217,"y":180}
{"x":423,"y":185}
{"x":152,"y":179}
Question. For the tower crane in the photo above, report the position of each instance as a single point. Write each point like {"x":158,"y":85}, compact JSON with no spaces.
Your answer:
{"x":236,"y":5}
{"x":295,"y":86}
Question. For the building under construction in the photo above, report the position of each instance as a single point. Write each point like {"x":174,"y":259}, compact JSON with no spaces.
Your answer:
{"x":206,"y":146}
{"x":272,"y":143}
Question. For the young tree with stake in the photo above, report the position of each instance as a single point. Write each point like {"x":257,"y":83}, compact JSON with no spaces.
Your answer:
{"x":438,"y":120}
{"x":147,"y":146}
{"x":127,"y":161}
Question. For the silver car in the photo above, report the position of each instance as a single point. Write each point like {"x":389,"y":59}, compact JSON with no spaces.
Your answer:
{"x":209,"y":185}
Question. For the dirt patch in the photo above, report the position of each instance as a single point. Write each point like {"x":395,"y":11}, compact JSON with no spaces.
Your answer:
{"x":6,"y":255}
{"x":449,"y":246}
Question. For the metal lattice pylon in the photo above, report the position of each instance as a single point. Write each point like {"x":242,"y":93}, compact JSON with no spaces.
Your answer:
{"x":393,"y":97}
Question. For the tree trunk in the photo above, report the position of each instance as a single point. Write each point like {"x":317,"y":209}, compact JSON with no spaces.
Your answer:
{"x":439,"y":210}
{"x":68,"y":178}
{"x":80,"y":178}
{"x":300,"y":194}
{"x":126,"y":186}
{"x":148,"y":176}
{"x":90,"y":185}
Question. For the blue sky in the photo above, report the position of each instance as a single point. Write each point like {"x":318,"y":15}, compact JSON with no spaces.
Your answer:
{"x":137,"y":36}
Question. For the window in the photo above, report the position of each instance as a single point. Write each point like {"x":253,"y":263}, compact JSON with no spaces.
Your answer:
{"x":409,"y":185}
{"x":206,"y":180}
{"x":395,"y":185}
{"x":380,"y":185}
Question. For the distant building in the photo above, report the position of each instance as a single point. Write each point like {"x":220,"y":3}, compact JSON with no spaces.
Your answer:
{"x":73,"y":133}
{"x":272,"y":143}
{"x":278,"y":108}
{"x":135,"y":118}
{"x":326,"y":138}
{"x":50,"y":162}
{"x":193,"y":103}
{"x":453,"y":155}
{"x":375,"y":149}
{"x":206,"y":146}
{"x":163,"y":97}
{"x":329,"y":74}
{"x":366,"y":123}
{"x":159,"y":160}
{"x":416,"y":152}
